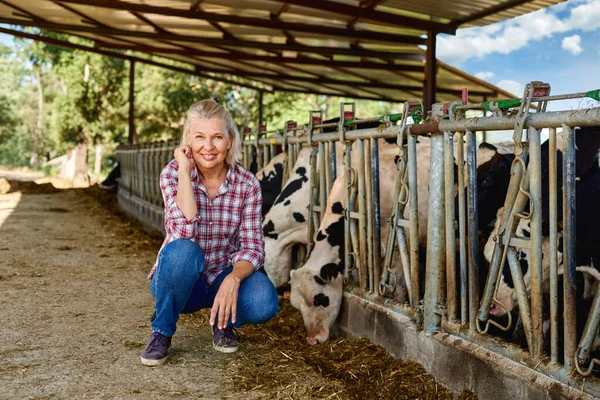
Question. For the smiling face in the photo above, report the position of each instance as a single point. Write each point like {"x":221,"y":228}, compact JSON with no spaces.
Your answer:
{"x":210,"y":143}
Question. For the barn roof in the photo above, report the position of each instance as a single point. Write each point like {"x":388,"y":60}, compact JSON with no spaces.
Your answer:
{"x":350,"y":48}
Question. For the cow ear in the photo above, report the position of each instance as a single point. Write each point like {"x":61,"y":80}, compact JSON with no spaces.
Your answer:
{"x":292,"y":272}
{"x":499,"y":161}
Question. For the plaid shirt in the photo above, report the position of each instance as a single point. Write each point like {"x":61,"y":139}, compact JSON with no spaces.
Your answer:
{"x":227,"y":229}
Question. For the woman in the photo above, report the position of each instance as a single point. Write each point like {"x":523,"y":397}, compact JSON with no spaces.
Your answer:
{"x":214,"y":241}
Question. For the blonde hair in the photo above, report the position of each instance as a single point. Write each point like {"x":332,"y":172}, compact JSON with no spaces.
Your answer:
{"x":210,"y":108}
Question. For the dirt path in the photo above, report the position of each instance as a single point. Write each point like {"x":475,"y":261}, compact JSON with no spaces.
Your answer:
{"x":76,"y":308}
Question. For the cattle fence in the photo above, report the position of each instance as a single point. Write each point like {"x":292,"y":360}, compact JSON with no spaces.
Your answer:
{"x":444,"y":294}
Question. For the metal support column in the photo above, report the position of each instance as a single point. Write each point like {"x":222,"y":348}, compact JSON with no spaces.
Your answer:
{"x":132,"y":136}
{"x":430,"y":73}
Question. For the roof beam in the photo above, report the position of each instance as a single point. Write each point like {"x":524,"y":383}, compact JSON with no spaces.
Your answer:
{"x":277,"y":60}
{"x":208,"y":41}
{"x":325,"y":93}
{"x":324,"y":80}
{"x":69,"y":45}
{"x":490,"y":11}
{"x":256,"y":22}
{"x":373,"y":15}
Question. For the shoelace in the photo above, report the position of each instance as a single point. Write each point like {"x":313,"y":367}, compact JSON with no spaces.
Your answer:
{"x":227,"y":333}
{"x":158,"y":341}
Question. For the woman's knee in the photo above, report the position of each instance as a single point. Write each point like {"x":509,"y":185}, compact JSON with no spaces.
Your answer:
{"x":181,"y":258}
{"x":260,"y":298}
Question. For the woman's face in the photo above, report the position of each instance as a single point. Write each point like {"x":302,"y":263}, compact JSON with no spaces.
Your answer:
{"x":210,"y":142}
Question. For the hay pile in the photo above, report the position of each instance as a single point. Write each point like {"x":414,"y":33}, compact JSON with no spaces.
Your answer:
{"x":276,"y":357}
{"x":29,"y":187}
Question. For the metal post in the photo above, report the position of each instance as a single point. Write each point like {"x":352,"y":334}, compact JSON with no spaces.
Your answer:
{"x":132,"y":136}
{"x":349,"y":260}
{"x":362,"y":222}
{"x":376,"y":210}
{"x":368,"y":171}
{"x":260,"y":107}
{"x":430,"y":72}
{"x":535,"y":264}
{"x":332,"y":163}
{"x":413,"y":220}
{"x":450,"y":231}
{"x":553,"y":248}
{"x":435,"y":238}
{"x":462,"y":229}
{"x":322,"y":167}
{"x":473,"y":211}
{"x":569,"y":232}
{"x":313,"y":219}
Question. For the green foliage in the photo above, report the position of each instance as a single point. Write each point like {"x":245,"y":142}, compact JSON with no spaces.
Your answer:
{"x":86,"y":99}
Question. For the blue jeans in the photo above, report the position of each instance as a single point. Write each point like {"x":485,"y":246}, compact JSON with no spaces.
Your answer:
{"x":179,"y":286}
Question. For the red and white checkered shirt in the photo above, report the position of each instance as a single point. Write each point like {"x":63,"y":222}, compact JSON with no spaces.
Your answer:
{"x":227,"y":229}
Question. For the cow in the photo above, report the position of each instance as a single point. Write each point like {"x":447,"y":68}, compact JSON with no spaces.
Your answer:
{"x":317,"y":285}
{"x":286,"y":224}
{"x":270,"y":178}
{"x":587,"y":219}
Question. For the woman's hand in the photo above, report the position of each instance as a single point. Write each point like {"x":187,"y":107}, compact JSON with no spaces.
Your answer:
{"x":184,"y":157}
{"x":225,"y":303}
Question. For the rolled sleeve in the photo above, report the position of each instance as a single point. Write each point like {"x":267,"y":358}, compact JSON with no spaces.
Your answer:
{"x":252,"y":242}
{"x":177,"y":226}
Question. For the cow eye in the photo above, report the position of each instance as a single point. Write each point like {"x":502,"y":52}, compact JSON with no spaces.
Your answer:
{"x":487,"y":181}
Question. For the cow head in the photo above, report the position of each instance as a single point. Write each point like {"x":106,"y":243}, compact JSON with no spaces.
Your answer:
{"x":493,"y":178}
{"x":318,"y":296}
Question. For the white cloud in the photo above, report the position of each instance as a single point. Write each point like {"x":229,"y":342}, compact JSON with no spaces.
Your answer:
{"x":511,"y":86}
{"x":572,"y":44}
{"x":508,"y":36}
{"x":484,"y":75}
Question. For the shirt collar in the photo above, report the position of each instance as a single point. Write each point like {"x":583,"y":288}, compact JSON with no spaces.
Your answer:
{"x":229,"y":178}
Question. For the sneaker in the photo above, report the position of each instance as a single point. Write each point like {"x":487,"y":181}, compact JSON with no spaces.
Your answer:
{"x":225,"y":340}
{"x":157,"y":350}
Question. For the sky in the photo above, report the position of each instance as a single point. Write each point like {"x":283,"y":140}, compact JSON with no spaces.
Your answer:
{"x":559,"y":45}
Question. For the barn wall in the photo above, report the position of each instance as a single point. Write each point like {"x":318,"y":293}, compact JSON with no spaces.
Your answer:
{"x":455,"y":362}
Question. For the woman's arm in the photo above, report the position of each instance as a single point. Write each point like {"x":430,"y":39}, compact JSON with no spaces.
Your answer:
{"x":248,"y":259}
{"x":225,"y":303}
{"x":181,"y":219}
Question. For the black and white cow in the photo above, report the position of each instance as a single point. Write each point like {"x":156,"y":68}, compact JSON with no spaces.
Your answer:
{"x":317,"y":285}
{"x":271,"y":179}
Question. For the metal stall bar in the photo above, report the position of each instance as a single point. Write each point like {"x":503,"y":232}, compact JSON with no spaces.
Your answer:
{"x":368,"y":212}
{"x":553,"y":219}
{"x":413,"y":220}
{"x":323,"y":184}
{"x":349,"y":225}
{"x":450,"y":230}
{"x":569,"y":235}
{"x":376,"y":210}
{"x":363,"y":271}
{"x":535,"y":263}
{"x":462,"y":229}
{"x":473,"y":212}
{"x":313,"y":218}
{"x":434,"y":268}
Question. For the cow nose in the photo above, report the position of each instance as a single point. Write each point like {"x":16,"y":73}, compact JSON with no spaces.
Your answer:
{"x":312,"y":340}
